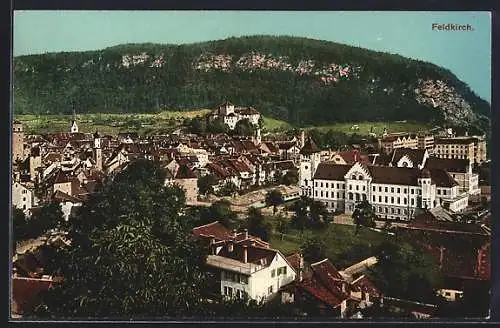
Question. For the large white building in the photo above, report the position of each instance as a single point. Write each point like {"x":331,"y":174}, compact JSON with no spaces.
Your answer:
{"x":232,"y":115}
{"x":395,"y":192}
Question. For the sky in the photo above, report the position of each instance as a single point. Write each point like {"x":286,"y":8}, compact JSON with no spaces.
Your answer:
{"x":466,"y":53}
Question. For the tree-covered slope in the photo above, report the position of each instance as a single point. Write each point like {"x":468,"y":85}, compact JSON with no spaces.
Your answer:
{"x":302,"y":81}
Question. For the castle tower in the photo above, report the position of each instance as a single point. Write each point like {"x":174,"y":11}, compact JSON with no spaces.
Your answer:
{"x":310,"y":158}
{"x":17,"y":141}
{"x":97,"y":151}
{"x":424,"y":182}
{"x":226,"y":108}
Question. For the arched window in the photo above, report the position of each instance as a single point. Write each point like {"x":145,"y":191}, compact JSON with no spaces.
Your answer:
{"x":360,"y":177}
{"x":353,"y":177}
{"x":350,"y":196}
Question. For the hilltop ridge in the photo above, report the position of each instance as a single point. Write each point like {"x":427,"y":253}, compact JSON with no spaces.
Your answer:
{"x":298,"y":80}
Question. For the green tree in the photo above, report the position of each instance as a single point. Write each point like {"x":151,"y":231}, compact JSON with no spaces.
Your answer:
{"x":19,"y":225}
{"x":364,"y":215}
{"x":310,"y":214}
{"x":290,"y":178}
{"x":257,"y":225}
{"x":135,"y":260}
{"x":206,"y":183}
{"x":406,"y":272}
{"x":313,"y":250}
{"x":228,"y":189}
{"x":244,"y":128}
{"x":274,"y":198}
{"x":221,"y":211}
{"x":197,"y":125}
{"x":217,"y":126}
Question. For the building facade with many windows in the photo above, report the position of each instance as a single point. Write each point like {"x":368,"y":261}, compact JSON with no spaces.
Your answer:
{"x":396,"y":193}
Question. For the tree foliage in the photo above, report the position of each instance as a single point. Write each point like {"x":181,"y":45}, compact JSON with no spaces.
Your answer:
{"x":364,"y":215}
{"x":206,"y":183}
{"x":127,"y":257}
{"x":274,"y":198}
{"x":313,"y":250}
{"x":406,"y":272}
{"x":309,"y":213}
{"x":257,"y":225}
{"x":244,"y":128}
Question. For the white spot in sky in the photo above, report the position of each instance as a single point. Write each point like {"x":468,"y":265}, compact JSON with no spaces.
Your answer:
{"x":379,"y":38}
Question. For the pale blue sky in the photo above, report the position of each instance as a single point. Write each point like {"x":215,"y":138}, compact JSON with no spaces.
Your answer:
{"x":466,"y":53}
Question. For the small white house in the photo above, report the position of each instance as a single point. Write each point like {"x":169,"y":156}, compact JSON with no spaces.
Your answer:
{"x":254,"y":271}
{"x":22,"y":196}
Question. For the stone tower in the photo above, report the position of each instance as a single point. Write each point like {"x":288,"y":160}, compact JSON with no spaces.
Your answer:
{"x":97,"y":151}
{"x":17,"y":141}
{"x":310,"y":158}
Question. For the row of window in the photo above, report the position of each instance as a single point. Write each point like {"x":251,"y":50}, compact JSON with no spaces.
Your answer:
{"x":393,"y":210}
{"x":235,"y":277}
{"x":320,"y":184}
{"x":278,"y":272}
{"x":444,"y":192}
{"x":397,"y":190}
{"x":339,"y":194}
{"x":239,"y":293}
{"x":398,"y":200}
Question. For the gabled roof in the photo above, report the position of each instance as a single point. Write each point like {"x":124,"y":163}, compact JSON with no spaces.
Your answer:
{"x":309,"y":147}
{"x":450,"y":165}
{"x":317,"y":290}
{"x":256,"y":255}
{"x":442,"y":178}
{"x":294,"y":260}
{"x":415,"y":155}
{"x":60,"y":196}
{"x":184,"y":172}
{"x":331,"y":171}
{"x":394,"y":175}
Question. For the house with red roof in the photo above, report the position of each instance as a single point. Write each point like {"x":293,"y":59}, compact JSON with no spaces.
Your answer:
{"x":324,"y":290}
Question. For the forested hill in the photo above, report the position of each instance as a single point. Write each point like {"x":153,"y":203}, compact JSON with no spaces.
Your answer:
{"x":302,"y":81}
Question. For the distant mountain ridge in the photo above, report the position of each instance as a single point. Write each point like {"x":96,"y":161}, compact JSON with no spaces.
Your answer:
{"x":299,"y":80}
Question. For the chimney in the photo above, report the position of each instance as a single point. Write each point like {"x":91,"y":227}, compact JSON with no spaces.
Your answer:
{"x":246,"y":233}
{"x":245,"y":253}
{"x":302,"y":138}
{"x":301,"y":267}
{"x":234,"y":233}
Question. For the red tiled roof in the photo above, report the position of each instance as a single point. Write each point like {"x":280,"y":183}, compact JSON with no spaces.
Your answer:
{"x":317,"y":290}
{"x":364,"y":284}
{"x":257,"y":255}
{"x":214,"y":229}
{"x":25,"y":291}
{"x":294,"y":260}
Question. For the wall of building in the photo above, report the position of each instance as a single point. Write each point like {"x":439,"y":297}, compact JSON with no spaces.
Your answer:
{"x":261,"y":280}
{"x":22,"y":197}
